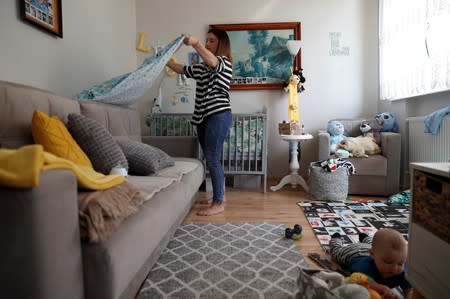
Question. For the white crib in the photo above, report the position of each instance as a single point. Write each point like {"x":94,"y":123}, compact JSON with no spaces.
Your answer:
{"x":245,"y":148}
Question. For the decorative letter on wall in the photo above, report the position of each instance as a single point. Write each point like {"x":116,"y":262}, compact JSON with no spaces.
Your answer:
{"x":140,"y":46}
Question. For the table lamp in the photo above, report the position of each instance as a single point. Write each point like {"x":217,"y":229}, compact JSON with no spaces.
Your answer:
{"x":293,"y":110}
{"x":293,"y":48}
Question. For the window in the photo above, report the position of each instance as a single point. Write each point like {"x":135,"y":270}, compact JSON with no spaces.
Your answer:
{"x":414,"y":47}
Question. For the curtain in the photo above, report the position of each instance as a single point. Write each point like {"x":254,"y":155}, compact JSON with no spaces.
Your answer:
{"x":414,"y":40}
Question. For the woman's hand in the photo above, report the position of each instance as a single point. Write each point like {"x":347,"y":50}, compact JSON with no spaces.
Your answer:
{"x":175,"y":66}
{"x":208,"y":57}
{"x":189,"y":40}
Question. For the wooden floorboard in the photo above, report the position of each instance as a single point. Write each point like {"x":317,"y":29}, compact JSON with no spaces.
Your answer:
{"x":251,"y":205}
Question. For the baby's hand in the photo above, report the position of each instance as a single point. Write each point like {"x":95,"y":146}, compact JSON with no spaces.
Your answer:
{"x":387,"y":293}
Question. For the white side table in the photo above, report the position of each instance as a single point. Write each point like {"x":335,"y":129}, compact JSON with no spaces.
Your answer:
{"x":293,"y":178}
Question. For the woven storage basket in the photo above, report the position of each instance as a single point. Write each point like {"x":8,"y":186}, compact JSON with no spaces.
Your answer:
{"x":328,"y":186}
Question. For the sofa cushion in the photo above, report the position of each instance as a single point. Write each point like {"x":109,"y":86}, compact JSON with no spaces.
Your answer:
{"x":53,"y":135}
{"x":97,"y":143}
{"x":121,"y":122}
{"x":18,"y":103}
{"x":144,"y":159}
{"x":375,"y":165}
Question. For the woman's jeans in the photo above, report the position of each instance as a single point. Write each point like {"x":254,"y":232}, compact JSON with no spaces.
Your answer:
{"x":211,"y":135}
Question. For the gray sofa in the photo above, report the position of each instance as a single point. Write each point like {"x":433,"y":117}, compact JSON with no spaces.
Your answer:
{"x":41,"y":254}
{"x":376,"y":175}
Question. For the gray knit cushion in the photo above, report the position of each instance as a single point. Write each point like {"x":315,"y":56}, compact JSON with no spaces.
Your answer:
{"x":144,"y":159}
{"x":96,"y":142}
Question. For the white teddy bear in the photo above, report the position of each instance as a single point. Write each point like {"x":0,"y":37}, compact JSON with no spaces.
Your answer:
{"x":360,"y":146}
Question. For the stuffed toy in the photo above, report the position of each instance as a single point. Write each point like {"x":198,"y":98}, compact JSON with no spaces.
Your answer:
{"x":360,"y":146}
{"x":293,"y":114}
{"x":336,"y":283}
{"x":351,"y":291}
{"x":342,"y":153}
{"x":300,"y":87}
{"x":372,"y":128}
{"x":336,"y":130}
{"x":363,"y":280}
{"x":329,"y":280}
{"x":389,"y":123}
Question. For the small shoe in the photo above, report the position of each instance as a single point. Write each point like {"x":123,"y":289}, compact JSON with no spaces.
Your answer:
{"x":288,"y":233}
{"x":293,"y":234}
{"x":297,"y":229}
{"x":296,"y":237}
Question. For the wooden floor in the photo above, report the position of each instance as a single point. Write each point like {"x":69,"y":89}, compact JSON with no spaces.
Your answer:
{"x":245,"y":205}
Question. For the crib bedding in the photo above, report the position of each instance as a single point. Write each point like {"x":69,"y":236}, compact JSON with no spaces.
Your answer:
{"x":245,"y":140}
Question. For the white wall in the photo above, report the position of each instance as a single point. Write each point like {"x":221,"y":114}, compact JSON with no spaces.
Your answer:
{"x":98,"y":43}
{"x":336,"y":86}
{"x":100,"y":37}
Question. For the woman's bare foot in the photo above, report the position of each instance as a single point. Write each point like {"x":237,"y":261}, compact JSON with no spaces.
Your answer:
{"x":207,"y":201}
{"x":214,"y":209}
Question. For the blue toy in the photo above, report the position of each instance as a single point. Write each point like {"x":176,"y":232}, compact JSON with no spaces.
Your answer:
{"x":389,"y":123}
{"x":336,"y":130}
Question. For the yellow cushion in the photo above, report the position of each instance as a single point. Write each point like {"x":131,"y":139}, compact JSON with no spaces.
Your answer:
{"x":56,"y":139}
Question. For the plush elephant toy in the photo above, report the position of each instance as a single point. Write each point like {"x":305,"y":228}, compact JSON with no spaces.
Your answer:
{"x":389,"y":123}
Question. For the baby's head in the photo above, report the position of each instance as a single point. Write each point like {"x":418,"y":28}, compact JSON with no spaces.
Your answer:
{"x":389,"y":251}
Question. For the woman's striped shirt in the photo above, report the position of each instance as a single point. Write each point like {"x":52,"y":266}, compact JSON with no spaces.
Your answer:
{"x":212,"y":91}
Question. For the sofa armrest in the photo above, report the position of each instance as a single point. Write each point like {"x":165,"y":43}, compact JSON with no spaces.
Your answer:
{"x":175,"y":146}
{"x":40,"y":248}
{"x":391,"y":144}
{"x":323,"y":145}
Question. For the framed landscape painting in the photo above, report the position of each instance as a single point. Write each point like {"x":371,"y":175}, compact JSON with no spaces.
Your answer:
{"x":45,"y":14}
{"x":260,"y":57}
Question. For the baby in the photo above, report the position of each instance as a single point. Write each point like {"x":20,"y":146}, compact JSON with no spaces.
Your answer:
{"x":382,"y":258}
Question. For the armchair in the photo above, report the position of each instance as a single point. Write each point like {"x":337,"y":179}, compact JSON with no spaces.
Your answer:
{"x":376,"y":175}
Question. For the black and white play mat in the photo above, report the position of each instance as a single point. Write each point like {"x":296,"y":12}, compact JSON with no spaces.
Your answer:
{"x":351,"y":218}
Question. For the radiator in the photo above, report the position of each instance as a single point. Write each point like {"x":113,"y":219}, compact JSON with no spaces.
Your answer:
{"x":245,"y":148}
{"x":425,"y":147}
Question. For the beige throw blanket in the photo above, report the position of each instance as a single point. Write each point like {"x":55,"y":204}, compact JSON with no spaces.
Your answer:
{"x":101,"y":212}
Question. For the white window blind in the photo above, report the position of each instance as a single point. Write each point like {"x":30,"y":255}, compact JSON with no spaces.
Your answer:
{"x":414,"y":39}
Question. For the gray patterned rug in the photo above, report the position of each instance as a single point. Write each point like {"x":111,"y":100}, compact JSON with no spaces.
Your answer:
{"x":231,"y":260}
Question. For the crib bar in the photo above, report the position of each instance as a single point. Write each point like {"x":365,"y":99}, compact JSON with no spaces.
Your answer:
{"x":245,"y":148}
{"x":255,"y":149}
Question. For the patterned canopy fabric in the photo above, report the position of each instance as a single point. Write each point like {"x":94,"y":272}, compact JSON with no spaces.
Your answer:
{"x":126,"y":89}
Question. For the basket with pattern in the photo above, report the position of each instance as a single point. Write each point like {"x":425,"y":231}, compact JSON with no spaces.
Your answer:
{"x":326,"y":185}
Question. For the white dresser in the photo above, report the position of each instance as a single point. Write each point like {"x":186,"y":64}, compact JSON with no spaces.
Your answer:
{"x":429,"y":230}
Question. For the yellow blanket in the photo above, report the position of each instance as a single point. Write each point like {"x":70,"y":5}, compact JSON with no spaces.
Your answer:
{"x":21,"y":168}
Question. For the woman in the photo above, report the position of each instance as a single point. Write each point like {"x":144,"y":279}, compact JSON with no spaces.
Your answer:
{"x":212,"y":111}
